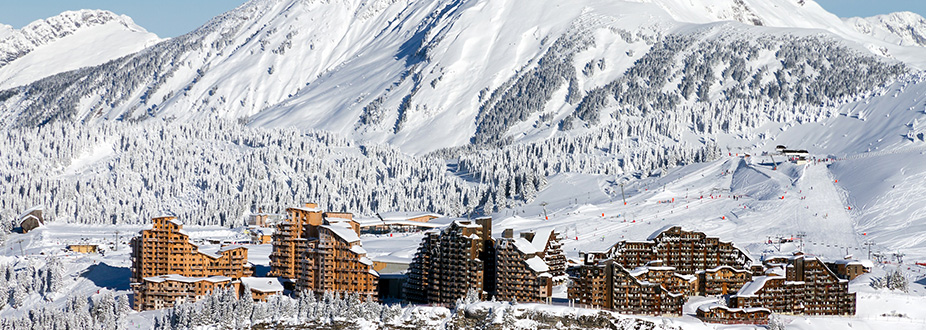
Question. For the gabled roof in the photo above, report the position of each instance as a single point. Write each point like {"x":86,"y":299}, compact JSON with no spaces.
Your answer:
{"x":30,"y":210}
{"x":757,"y":283}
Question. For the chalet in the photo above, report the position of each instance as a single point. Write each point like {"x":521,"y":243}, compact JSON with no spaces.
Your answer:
{"x":849,"y":269}
{"x":260,"y":235}
{"x":262,"y":219}
{"x":522,"y":274}
{"x":261,"y":287}
{"x":687,"y":251}
{"x":797,"y":285}
{"x":31,"y":219}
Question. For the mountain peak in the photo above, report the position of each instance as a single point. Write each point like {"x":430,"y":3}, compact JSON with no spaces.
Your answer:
{"x":67,"y":41}
{"x":17,"y":43}
{"x":902,"y":28}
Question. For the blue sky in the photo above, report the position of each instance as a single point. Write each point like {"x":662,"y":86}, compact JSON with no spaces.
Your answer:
{"x":170,"y":18}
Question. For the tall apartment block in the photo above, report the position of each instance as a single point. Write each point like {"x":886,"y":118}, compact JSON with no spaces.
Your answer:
{"x":167,"y":268}
{"x":465,"y":256}
{"x":452,"y":261}
{"x":321,"y":251}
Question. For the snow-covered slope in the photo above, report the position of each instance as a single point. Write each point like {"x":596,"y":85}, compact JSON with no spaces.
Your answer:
{"x":902,"y":28}
{"x":428,"y":75}
{"x":71,"y":40}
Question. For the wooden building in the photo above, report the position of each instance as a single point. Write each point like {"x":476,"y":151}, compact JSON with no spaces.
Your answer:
{"x":31,"y":219}
{"x":522,"y":274}
{"x":84,"y":248}
{"x":321,"y":251}
{"x":261,"y":287}
{"x":166,"y":250}
{"x":727,"y":315}
{"x":165,"y":291}
{"x":649,"y":290}
{"x":687,"y":251}
{"x":807,"y":287}
{"x":452,"y":261}
{"x":849,"y":269}
{"x":722,"y":280}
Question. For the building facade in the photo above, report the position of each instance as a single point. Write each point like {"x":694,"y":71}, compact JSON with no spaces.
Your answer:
{"x":452,"y":261}
{"x":687,"y":251}
{"x":723,"y":280}
{"x":807,"y":287}
{"x":165,"y":291}
{"x":321,"y":251}
{"x":165,"y":250}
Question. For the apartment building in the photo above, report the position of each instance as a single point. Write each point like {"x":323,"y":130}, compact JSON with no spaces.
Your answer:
{"x":798,"y":285}
{"x":165,"y":250}
{"x":452,"y":261}
{"x":522,"y":273}
{"x":723,"y":280}
{"x":687,"y":251}
{"x":165,"y":291}
{"x":321,"y":251}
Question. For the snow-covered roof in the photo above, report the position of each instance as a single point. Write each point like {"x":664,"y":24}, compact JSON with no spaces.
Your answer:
{"x":524,"y":246}
{"x":345,"y":233}
{"x":407,"y":215}
{"x":370,"y":222}
{"x":660,"y":231}
{"x":305,"y":209}
{"x":466,"y":224}
{"x":715,"y":269}
{"x":757,"y":283}
{"x":185,"y":279}
{"x":23,"y":215}
{"x":358,"y":249}
{"x":541,"y":237}
{"x":366,"y":261}
{"x":231,"y":247}
{"x":709,"y":307}
{"x":263,"y":284}
{"x":176,"y":222}
{"x":777,"y":271}
{"x":538,"y":265}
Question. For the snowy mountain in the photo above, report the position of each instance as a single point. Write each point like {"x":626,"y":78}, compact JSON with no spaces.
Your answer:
{"x":68,"y":41}
{"x":903,"y":28}
{"x":421,"y":76}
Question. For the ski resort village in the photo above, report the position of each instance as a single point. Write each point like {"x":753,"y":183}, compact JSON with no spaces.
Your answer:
{"x":466,"y":164}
